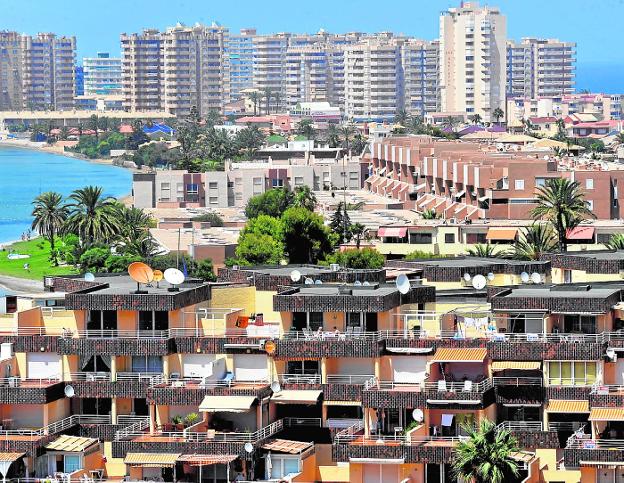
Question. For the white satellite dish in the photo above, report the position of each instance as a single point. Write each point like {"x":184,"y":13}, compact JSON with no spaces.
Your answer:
{"x":611,"y":353}
{"x":174,"y":276}
{"x":69,"y":391}
{"x":89,"y":277}
{"x":275,"y":387}
{"x":479,"y":282}
{"x":536,"y":277}
{"x":418,"y":415}
{"x":525,"y":277}
{"x":318,"y":282}
{"x":490,"y":276}
{"x":249,"y":447}
{"x":403,"y":284}
{"x":366,"y":283}
{"x":467,"y":277}
{"x":357,"y":283}
{"x":295,"y":275}
{"x":308,"y":281}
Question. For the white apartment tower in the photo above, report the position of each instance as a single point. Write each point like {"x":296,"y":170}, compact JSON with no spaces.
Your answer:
{"x":420,"y":76}
{"x":142,"y":70}
{"x":473,"y":59}
{"x":269,"y":67}
{"x":540,"y":68}
{"x":373,"y":79}
{"x":11,"y":53}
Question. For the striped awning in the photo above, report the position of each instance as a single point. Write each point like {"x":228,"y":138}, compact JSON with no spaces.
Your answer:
{"x":10,"y":457}
{"x":342,"y":403}
{"x":517,"y":365}
{"x":392,"y":231}
{"x":151,"y":460}
{"x":581,"y":233}
{"x":567,"y":406}
{"x":286,"y":446}
{"x":294,"y":396}
{"x":70,"y":444}
{"x":207,"y":459}
{"x":606,"y":414}
{"x":229,"y":404}
{"x":467,"y":354}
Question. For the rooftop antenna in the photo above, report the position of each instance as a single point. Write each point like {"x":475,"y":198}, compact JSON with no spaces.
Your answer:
{"x":141,"y":273}
{"x":174,"y":277}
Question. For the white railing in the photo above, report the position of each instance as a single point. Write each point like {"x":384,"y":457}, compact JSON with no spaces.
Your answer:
{"x":299,"y":378}
{"x":133,"y":429}
{"x":146,"y":377}
{"x":566,"y":425}
{"x":530,"y":426}
{"x":204,"y":383}
{"x":352,"y":430}
{"x":581,"y":443}
{"x":517,"y":381}
{"x":16,"y":381}
{"x":329,"y":335}
{"x":355,"y":379}
{"x":460,"y":387}
{"x":299,"y":422}
{"x":90,"y":376}
{"x":341,"y":423}
{"x":400,"y":439}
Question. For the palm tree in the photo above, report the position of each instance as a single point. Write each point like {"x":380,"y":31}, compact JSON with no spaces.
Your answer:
{"x":528,"y":126}
{"x":562,"y":203}
{"x":620,"y":138}
{"x":616,"y":242}
{"x":416,"y":125}
{"x":91,"y":216}
{"x":305,"y":127}
{"x":346,"y":132}
{"x":267,"y":93}
{"x":254,"y":97}
{"x":450,"y":123}
{"x":476,"y":119}
{"x":304,"y":198}
{"x":498,"y":114}
{"x":429,"y":215}
{"x":357,"y":231}
{"x":49,"y":214}
{"x":333,"y":136}
{"x":536,"y":239}
{"x":487,"y":455}
{"x":94,"y":124}
{"x":485,"y":251}
{"x":401,"y":117}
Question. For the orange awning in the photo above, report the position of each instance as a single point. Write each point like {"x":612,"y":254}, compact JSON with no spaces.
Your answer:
{"x":470,"y":354}
{"x":606,"y":414}
{"x":286,"y":446}
{"x":151,"y":460}
{"x":207,"y":459}
{"x":502,"y":234}
{"x":581,"y":233}
{"x":566,"y":406}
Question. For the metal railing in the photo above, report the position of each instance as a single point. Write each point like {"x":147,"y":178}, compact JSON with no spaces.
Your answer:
{"x":204,"y":382}
{"x":354,"y":379}
{"x":566,"y":425}
{"x":400,"y":439}
{"x":341,"y":423}
{"x":530,"y":426}
{"x":517,"y":381}
{"x":16,"y":381}
{"x":329,"y":335}
{"x":607,"y":389}
{"x":145,"y":377}
{"x":299,"y":378}
{"x":582,"y":443}
{"x":303,"y":422}
{"x":90,"y":376}
{"x":465,"y":386}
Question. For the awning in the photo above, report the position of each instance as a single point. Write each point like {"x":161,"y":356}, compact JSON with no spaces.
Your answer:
{"x":522,"y":456}
{"x":447,"y":420}
{"x":451,"y":354}
{"x":377,"y":461}
{"x":460,"y":194}
{"x":286,"y":446}
{"x":420,"y":186}
{"x":392,"y":231}
{"x":151,"y":460}
{"x":566,"y":406}
{"x":229,"y":404}
{"x":71,"y":444}
{"x":606,"y":414}
{"x":207,"y":459}
{"x":6,"y":460}
{"x":411,"y":350}
{"x":483,"y":198}
{"x":517,"y":365}
{"x":502,"y":234}
{"x":291,"y":396}
{"x":581,"y":233}
{"x":342,"y":403}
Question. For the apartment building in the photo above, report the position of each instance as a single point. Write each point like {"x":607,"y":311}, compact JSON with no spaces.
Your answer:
{"x":473,"y":60}
{"x":421,"y":68}
{"x":176,"y":70}
{"x":11,"y":71}
{"x":102,"y":75}
{"x":241,"y":181}
{"x":539,"y":68}
{"x":240,"y":52}
{"x":269,"y":65}
{"x":373,"y":79}
{"x":471,"y":181}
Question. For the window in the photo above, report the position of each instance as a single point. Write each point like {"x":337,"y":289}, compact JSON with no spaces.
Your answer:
{"x":519,"y":184}
{"x":449,"y":238}
{"x":283,"y":466}
{"x":585,"y":324}
{"x":589,"y":184}
{"x":192,"y":188}
{"x":277,"y":183}
{"x":539,"y":182}
{"x":474,"y":238}
{"x":257,"y":186}
{"x":421,"y":238}
{"x":213,"y":200}
{"x":571,"y":373}
{"x":147,"y":364}
{"x":71,"y":463}
{"x":213,"y":185}
{"x":298,"y":180}
{"x":590,"y":204}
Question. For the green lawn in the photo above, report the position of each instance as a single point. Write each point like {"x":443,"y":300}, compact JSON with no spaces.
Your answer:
{"x":39,"y":251}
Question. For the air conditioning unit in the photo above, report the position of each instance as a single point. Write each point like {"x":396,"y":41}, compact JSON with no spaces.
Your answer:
{"x":6,"y":351}
{"x":334,"y":267}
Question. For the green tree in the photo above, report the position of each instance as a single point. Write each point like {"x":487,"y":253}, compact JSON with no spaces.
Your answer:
{"x":340,"y":222}
{"x":401,"y":117}
{"x":366,"y":258}
{"x":485,"y":251}
{"x":487,"y":455}
{"x":304,"y":197}
{"x":450,"y":123}
{"x":536,"y":239}
{"x":421,"y":255}
{"x":562,"y":203}
{"x":94,"y":124}
{"x":498,"y":114}
{"x":94,"y":259}
{"x":429,"y":214}
{"x":204,"y":270}
{"x":49,"y":215}
{"x":92,"y":216}
{"x":475,"y":119}
{"x":211,"y":217}
{"x":249,"y":140}
{"x":616,"y":242}
{"x":305,"y":127}
{"x":267,"y":93}
{"x":272,"y":202}
{"x":333,"y":136}
{"x":357,"y":231}
{"x":255,"y":99}
{"x":213,"y":118}
{"x":306,"y":238}
{"x":120,"y":263}
{"x":259,"y":249}
{"x":346,"y":133}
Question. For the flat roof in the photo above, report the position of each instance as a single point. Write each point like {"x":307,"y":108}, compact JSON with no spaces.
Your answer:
{"x":569,"y":291}
{"x":616,"y":255}
{"x":123,"y":284}
{"x":331,"y":290}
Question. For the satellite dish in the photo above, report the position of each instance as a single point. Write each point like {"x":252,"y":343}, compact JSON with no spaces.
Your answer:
{"x":536,"y":277}
{"x":524,"y":277}
{"x":158,"y":276}
{"x":357,"y":283}
{"x":295,"y":275}
{"x":366,"y":283}
{"x":174,"y":276}
{"x":140,"y":272}
{"x":249,"y":447}
{"x":479,"y":282}
{"x":418,"y":415}
{"x":403,"y":284}
{"x":318,"y":282}
{"x":89,"y":277}
{"x":490,"y":276}
{"x":610,"y":353}
{"x":467,"y":277}
{"x":69,"y":391}
{"x":309,"y":281}
{"x":275,"y":387}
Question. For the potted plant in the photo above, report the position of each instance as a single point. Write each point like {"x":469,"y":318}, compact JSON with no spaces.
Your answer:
{"x":191,"y":419}
{"x":178,"y":422}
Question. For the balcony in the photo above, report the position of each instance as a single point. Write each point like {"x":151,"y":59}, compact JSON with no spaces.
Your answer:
{"x":15,"y":390}
{"x":606,"y":395}
{"x":452,"y":394}
{"x":317,"y":344}
{"x":531,"y":434}
{"x":105,"y":384}
{"x":519,"y":390}
{"x":579,"y":450}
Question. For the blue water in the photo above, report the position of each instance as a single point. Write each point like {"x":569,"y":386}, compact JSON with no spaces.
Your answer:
{"x":24,"y":174}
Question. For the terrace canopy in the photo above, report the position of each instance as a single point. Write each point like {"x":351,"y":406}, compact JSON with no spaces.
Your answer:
{"x":470,"y":354}
{"x":229,"y":404}
{"x":152,"y":460}
{"x":6,"y":460}
{"x":296,"y":397}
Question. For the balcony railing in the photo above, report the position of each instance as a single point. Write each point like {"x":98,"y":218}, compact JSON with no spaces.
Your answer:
{"x":566,"y":425}
{"x":581,"y":443}
{"x":604,"y":389}
{"x":354,"y":379}
{"x":458,"y":387}
{"x":530,"y":426}
{"x":517,"y":381}
{"x":299,"y":378}
{"x":17,"y":381}
{"x":205,"y":383}
{"x":398,"y":439}
{"x":63,"y":425}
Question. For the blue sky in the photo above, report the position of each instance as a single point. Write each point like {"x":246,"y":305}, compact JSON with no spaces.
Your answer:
{"x":596,"y":26}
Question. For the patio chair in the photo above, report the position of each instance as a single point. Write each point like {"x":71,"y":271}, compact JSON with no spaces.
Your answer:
{"x":307,"y":334}
{"x":357,"y":331}
{"x":442,"y":386}
{"x":467,"y":386}
{"x":227,"y":380}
